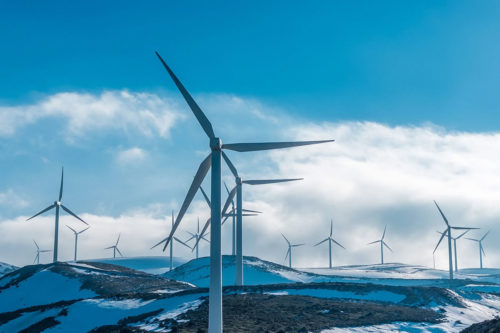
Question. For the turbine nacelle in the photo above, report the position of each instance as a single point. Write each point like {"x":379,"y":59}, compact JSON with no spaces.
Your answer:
{"x":215,"y":144}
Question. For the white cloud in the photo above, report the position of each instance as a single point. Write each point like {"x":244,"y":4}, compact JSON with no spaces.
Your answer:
{"x":125,"y":111}
{"x":12,"y":200}
{"x":132,"y":155}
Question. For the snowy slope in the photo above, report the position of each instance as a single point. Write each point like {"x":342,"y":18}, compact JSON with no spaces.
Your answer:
{"x":255,"y":272}
{"x":151,"y":265}
{"x":6,"y":268}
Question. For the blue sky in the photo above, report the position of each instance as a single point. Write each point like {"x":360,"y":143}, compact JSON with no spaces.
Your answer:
{"x":81,"y":87}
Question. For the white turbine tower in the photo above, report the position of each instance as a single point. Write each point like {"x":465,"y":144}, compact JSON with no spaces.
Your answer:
{"x":38,"y":251}
{"x":481,"y":249}
{"x":57,"y":204}
{"x":76,"y":238}
{"x":454,"y":245}
{"x":382,"y":244}
{"x":289,"y":251}
{"x":213,"y":160}
{"x":448,"y":232}
{"x":330,"y":240}
{"x":115,"y":247}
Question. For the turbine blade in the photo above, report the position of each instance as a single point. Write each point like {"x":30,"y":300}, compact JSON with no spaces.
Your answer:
{"x":229,"y":199}
{"x":333,"y":240}
{"x":36,"y":245}
{"x":244,"y":147}
{"x":84,"y":230}
{"x":202,"y":232}
{"x":387,"y":246}
{"x":225,"y":219}
{"x":43,"y":251}
{"x":42,"y":211}
{"x":61,"y":189}
{"x":71,"y":229}
{"x":472,"y":239}
{"x":440,"y":239}
{"x":206,"y":197}
{"x":285,"y":239}
{"x":73,"y":214}
{"x":331,"y":228}
{"x":251,"y":211}
{"x":486,"y":234}
{"x":463,"y":233}
{"x":385,"y":228}
{"x":463,"y":228}
{"x":117,"y":250}
{"x":118,"y":239}
{"x":287,"y":253}
{"x":36,"y":257}
{"x":295,"y":245}
{"x":482,"y":249}
{"x":198,"y":179}
{"x":202,"y":119}
{"x":324,"y":240}
{"x":269,"y":181}
{"x":178,"y":240}
{"x":441,"y":212}
{"x":205,"y":239}
{"x":230,"y":165}
{"x":377,"y":241}
{"x":109,"y":247}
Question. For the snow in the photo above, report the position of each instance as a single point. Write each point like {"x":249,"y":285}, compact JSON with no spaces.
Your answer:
{"x":6,"y":268}
{"x":44,"y":287}
{"x":151,"y":264}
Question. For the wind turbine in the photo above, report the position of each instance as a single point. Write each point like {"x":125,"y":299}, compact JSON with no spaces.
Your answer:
{"x":289,"y":251}
{"x":454,"y":245}
{"x":57,"y":204}
{"x":197,"y":236}
{"x":115,"y":247}
{"x":213,"y":160}
{"x":330,"y":240}
{"x":481,"y":249}
{"x":76,"y":237}
{"x":382,"y":244}
{"x":448,"y":232}
{"x":38,"y":251}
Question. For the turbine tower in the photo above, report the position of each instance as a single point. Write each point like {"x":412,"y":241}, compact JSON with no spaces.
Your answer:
{"x":76,"y":237}
{"x":213,"y":160}
{"x":454,"y":245}
{"x":57,"y":204}
{"x":38,"y":251}
{"x":289,"y":251}
{"x":382,"y":244}
{"x":481,"y":249}
{"x":330,"y":240}
{"x":115,"y":247}
{"x":448,"y":233}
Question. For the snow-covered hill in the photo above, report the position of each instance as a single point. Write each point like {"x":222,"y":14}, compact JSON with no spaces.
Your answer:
{"x":151,"y":264}
{"x":6,"y":268}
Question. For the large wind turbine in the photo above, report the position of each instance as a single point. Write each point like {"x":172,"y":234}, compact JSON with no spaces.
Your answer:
{"x":214,"y":160}
{"x":454,"y":245}
{"x":330,"y":240}
{"x":289,"y":251}
{"x":56,"y":205}
{"x":115,"y":247}
{"x":76,"y":237}
{"x":382,"y":244}
{"x":448,"y":232}
{"x":481,"y":249}
{"x":38,"y":251}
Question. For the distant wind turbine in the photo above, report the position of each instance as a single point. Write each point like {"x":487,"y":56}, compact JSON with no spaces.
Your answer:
{"x":289,"y":251}
{"x":115,"y":247}
{"x":196,"y":236}
{"x":481,"y":249}
{"x":330,"y":240}
{"x":57,"y":204}
{"x":448,"y":233}
{"x":382,"y":244}
{"x":38,"y":251}
{"x":213,"y":160}
{"x":76,"y":237}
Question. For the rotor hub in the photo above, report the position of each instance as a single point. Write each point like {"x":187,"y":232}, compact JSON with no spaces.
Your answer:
{"x":238,"y":181}
{"x":216,"y":144}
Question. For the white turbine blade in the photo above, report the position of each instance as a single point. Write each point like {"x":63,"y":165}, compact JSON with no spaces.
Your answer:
{"x":202,"y":119}
{"x":324,"y":240}
{"x":225,"y":219}
{"x":251,"y":211}
{"x":377,"y":241}
{"x":206,"y":197}
{"x":187,"y":240}
{"x":296,"y":245}
{"x":36,"y":257}
{"x":178,"y":240}
{"x":42,"y":211}
{"x":482,"y":249}
{"x":198,"y":179}
{"x":80,"y":232}
{"x":331,"y":228}
{"x":61,"y":189}
{"x":110,"y":247}
{"x":463,"y":228}
{"x":440,"y":239}
{"x":463,"y":233}
{"x":229,"y":200}
{"x":285,"y":239}
{"x":118,"y":239}
{"x":333,"y":240}
{"x":269,"y":181}
{"x":486,"y":234}
{"x":444,"y":217}
{"x":36,"y":245}
{"x":43,"y":251}
{"x":472,"y":239}
{"x":387,"y":246}
{"x":230,"y":165}
{"x":287,"y":253}
{"x":73,"y":214}
{"x":383,"y":235}
{"x":119,"y":252}
{"x":203,"y":237}
{"x":71,"y":229}
{"x":244,"y":147}
{"x":249,"y":214}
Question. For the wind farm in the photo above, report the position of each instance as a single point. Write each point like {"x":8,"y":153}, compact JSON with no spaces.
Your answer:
{"x":199,"y":150}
